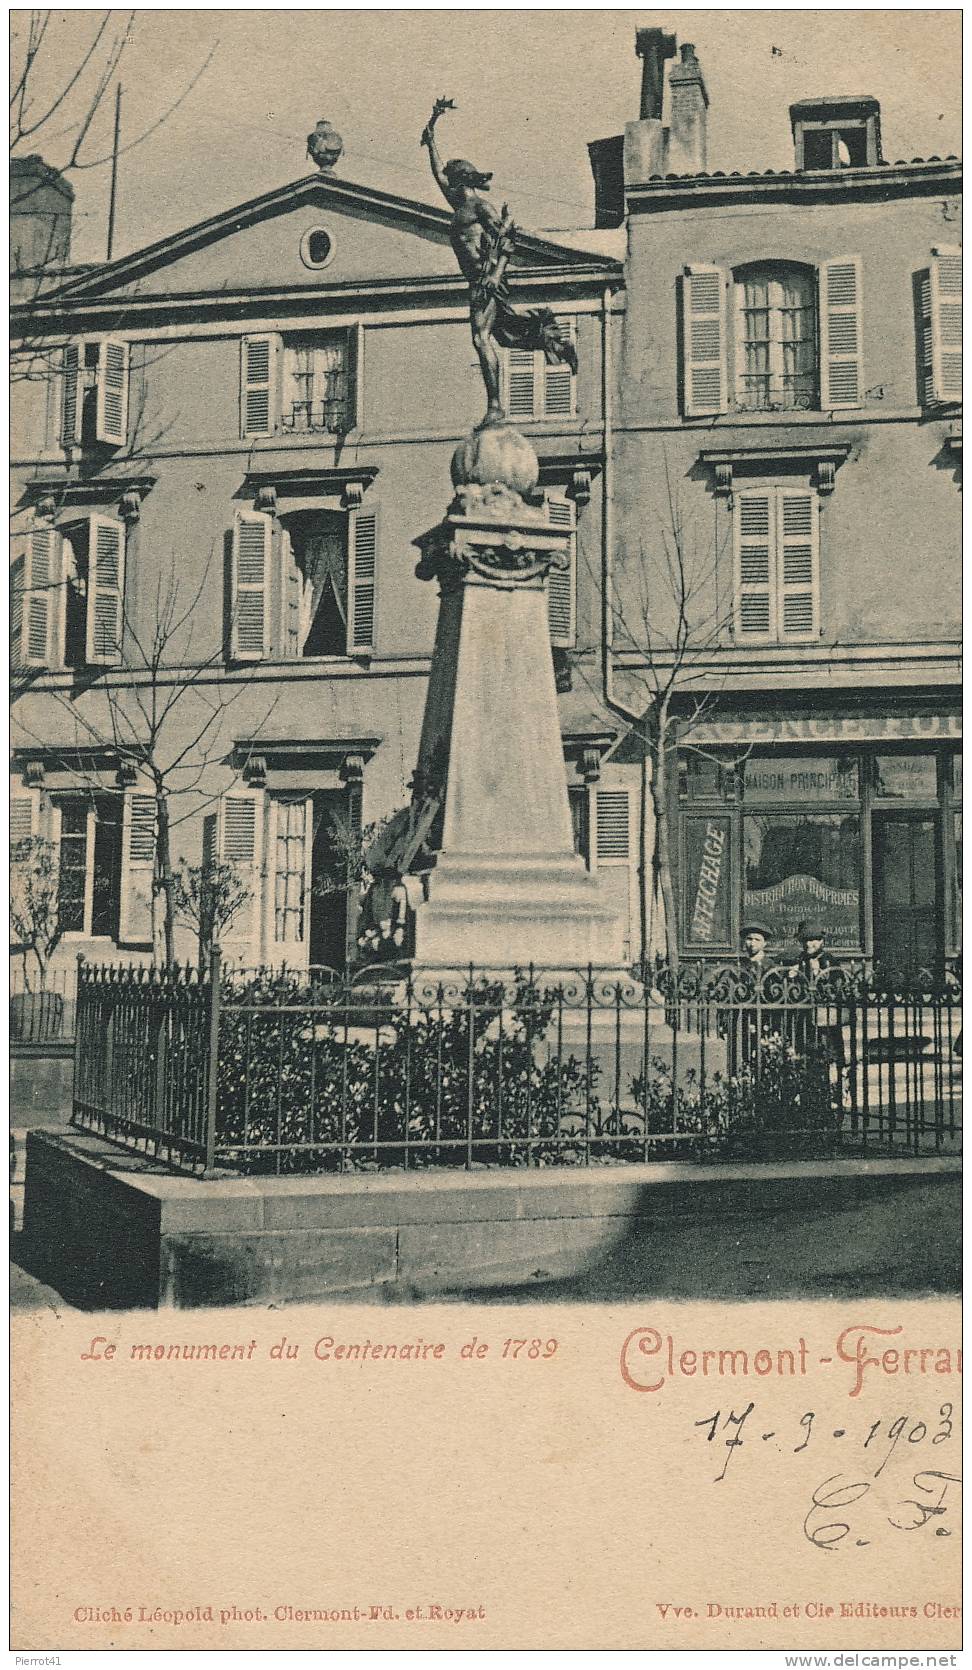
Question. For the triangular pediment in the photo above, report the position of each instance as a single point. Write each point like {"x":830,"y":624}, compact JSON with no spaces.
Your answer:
{"x":274,"y":243}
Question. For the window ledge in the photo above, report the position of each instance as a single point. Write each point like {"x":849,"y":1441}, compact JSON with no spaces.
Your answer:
{"x":824,"y":458}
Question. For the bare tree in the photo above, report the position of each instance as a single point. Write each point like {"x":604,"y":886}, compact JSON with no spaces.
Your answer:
{"x":669,"y":619}
{"x":161,"y":717}
{"x":60,"y":103}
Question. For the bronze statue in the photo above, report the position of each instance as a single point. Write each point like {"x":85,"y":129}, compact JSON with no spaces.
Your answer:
{"x":484,"y":241}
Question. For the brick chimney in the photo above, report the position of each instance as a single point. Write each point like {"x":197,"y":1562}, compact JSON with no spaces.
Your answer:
{"x":688,"y":103}
{"x":647,"y":147}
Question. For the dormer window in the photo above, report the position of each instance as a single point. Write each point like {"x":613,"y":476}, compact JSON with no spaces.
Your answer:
{"x":836,"y":133}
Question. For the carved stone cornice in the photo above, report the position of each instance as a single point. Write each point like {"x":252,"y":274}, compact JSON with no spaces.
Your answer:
{"x":344,"y":485}
{"x":52,"y":496}
{"x":575,"y":472}
{"x":822,"y":457}
{"x":504,"y":554}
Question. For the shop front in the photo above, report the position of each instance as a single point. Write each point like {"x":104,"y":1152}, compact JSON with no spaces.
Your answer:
{"x":851,"y":824}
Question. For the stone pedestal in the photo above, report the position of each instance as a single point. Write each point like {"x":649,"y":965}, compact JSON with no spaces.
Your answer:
{"x":507,"y":888}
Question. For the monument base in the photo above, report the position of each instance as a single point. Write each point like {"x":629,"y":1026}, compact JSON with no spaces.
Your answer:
{"x":511,"y":910}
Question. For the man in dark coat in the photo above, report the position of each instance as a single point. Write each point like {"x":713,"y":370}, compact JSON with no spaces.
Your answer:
{"x":818,"y":1028}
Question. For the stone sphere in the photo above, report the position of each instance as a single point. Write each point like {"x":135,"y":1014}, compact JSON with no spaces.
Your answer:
{"x":496,"y":454}
{"x":324,"y":145}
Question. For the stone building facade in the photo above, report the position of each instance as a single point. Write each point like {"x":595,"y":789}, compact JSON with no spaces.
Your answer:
{"x":789,"y":437}
{"x":227,"y":447}
{"x":248,"y":424}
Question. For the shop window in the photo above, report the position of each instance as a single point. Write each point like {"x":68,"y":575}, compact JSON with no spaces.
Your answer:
{"x":704,"y":777}
{"x":906,"y":777}
{"x":802,"y":867}
{"x":782,"y":779}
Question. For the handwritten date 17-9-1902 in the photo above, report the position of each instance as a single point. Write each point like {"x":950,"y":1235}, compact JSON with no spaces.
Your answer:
{"x":846,"y":1505}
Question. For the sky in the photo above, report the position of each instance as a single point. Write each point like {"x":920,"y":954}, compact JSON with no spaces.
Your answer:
{"x":531,"y":86}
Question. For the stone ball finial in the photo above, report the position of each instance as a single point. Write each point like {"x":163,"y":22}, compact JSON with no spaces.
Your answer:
{"x":496,"y":455}
{"x":324,"y":145}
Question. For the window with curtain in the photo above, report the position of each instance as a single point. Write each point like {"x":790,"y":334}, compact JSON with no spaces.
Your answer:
{"x":776,"y":337}
{"x":317,"y":391}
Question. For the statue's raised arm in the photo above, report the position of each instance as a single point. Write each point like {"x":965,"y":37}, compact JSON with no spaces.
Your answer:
{"x":484,"y":243}
{"x":428,"y":140}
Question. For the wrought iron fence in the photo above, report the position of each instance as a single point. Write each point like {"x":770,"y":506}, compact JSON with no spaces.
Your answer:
{"x":285,"y":1072}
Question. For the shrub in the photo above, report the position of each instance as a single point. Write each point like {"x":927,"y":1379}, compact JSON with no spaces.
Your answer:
{"x":298,"y":1086}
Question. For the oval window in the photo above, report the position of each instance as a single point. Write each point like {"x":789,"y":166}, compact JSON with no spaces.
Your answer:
{"x":316,"y":247}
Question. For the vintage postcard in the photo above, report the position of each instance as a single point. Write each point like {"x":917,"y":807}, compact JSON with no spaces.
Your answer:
{"x":485,"y":831}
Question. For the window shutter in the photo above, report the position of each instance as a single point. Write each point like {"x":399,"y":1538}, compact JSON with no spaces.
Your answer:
{"x":239,"y":834}
{"x":258,"y":360}
{"x":613,"y":826}
{"x":841,"y":338}
{"x":24,"y":816}
{"x":703,"y":341}
{"x":559,"y":382}
{"x":754,"y":530}
{"x":798,"y":588}
{"x":362,"y":578}
{"x":71,"y":394}
{"x":36,"y":589}
{"x":18,"y":587}
{"x":106,"y":591}
{"x":250,"y":592}
{"x":112,"y":407}
{"x":562,"y":582}
{"x":941,"y":307}
{"x":521,"y":371}
{"x":135,"y":916}
{"x":613,"y":847}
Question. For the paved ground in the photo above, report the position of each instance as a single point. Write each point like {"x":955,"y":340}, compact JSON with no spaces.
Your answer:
{"x":817,"y":1254}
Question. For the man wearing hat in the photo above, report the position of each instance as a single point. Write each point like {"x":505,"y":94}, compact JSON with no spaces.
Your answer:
{"x":813,"y":959}
{"x":817,"y":1030}
{"x":755,"y":935}
{"x":752,"y":1023}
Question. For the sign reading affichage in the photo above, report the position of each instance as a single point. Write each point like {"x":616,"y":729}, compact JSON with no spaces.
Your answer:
{"x":707,"y":843}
